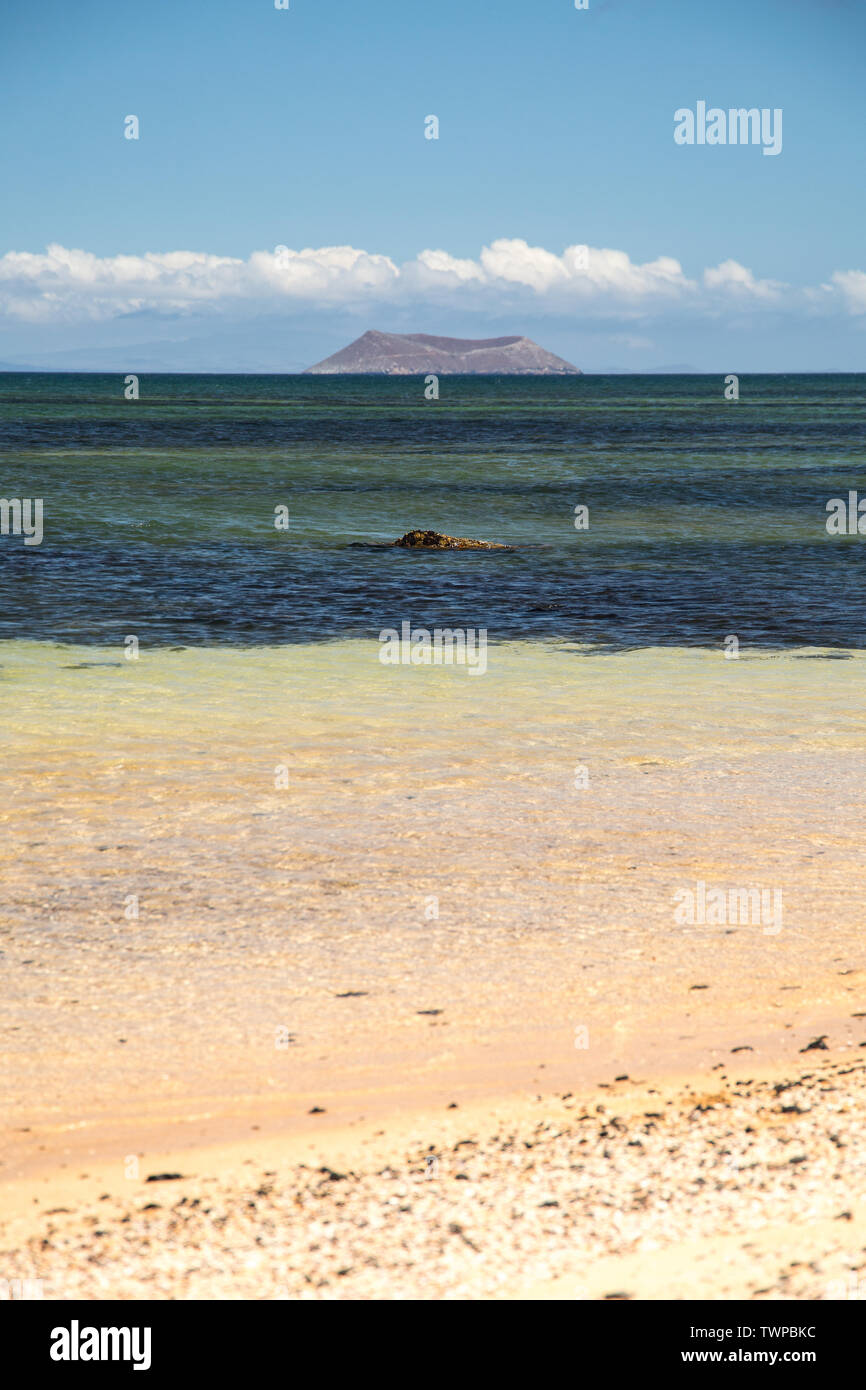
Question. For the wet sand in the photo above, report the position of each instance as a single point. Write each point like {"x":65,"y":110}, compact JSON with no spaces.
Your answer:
{"x":423,"y":910}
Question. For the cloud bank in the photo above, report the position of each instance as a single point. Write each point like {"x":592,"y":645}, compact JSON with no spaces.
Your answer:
{"x":63,"y":285}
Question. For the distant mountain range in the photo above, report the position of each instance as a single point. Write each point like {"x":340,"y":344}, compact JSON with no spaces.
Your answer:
{"x":415,"y":354}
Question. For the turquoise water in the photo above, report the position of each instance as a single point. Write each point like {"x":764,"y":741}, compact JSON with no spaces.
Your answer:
{"x":706,"y":517}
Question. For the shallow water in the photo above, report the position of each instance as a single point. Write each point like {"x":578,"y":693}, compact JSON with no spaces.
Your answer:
{"x":205,"y":846}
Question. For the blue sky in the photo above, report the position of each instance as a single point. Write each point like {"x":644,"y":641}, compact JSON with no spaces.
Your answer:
{"x":304,"y":128}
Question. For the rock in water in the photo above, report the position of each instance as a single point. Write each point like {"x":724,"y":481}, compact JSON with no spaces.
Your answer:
{"x":434,"y":540}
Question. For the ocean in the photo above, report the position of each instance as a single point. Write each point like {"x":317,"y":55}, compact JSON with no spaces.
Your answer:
{"x":707,"y":517}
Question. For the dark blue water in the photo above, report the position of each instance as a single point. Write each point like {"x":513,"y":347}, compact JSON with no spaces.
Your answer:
{"x":707,"y":517}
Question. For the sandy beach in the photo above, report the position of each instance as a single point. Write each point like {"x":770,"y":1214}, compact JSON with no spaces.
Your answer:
{"x":735,"y":1187}
{"x":437,"y":911}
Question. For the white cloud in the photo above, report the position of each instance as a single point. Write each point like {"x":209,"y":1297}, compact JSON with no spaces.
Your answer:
{"x":331,"y":273}
{"x":434,"y":265}
{"x":852,"y":285}
{"x":73,"y":285}
{"x":517,"y":263}
{"x":64,"y":284}
{"x":734,"y":279}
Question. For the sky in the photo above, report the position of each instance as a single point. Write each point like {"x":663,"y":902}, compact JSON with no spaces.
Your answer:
{"x":282,"y":197}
